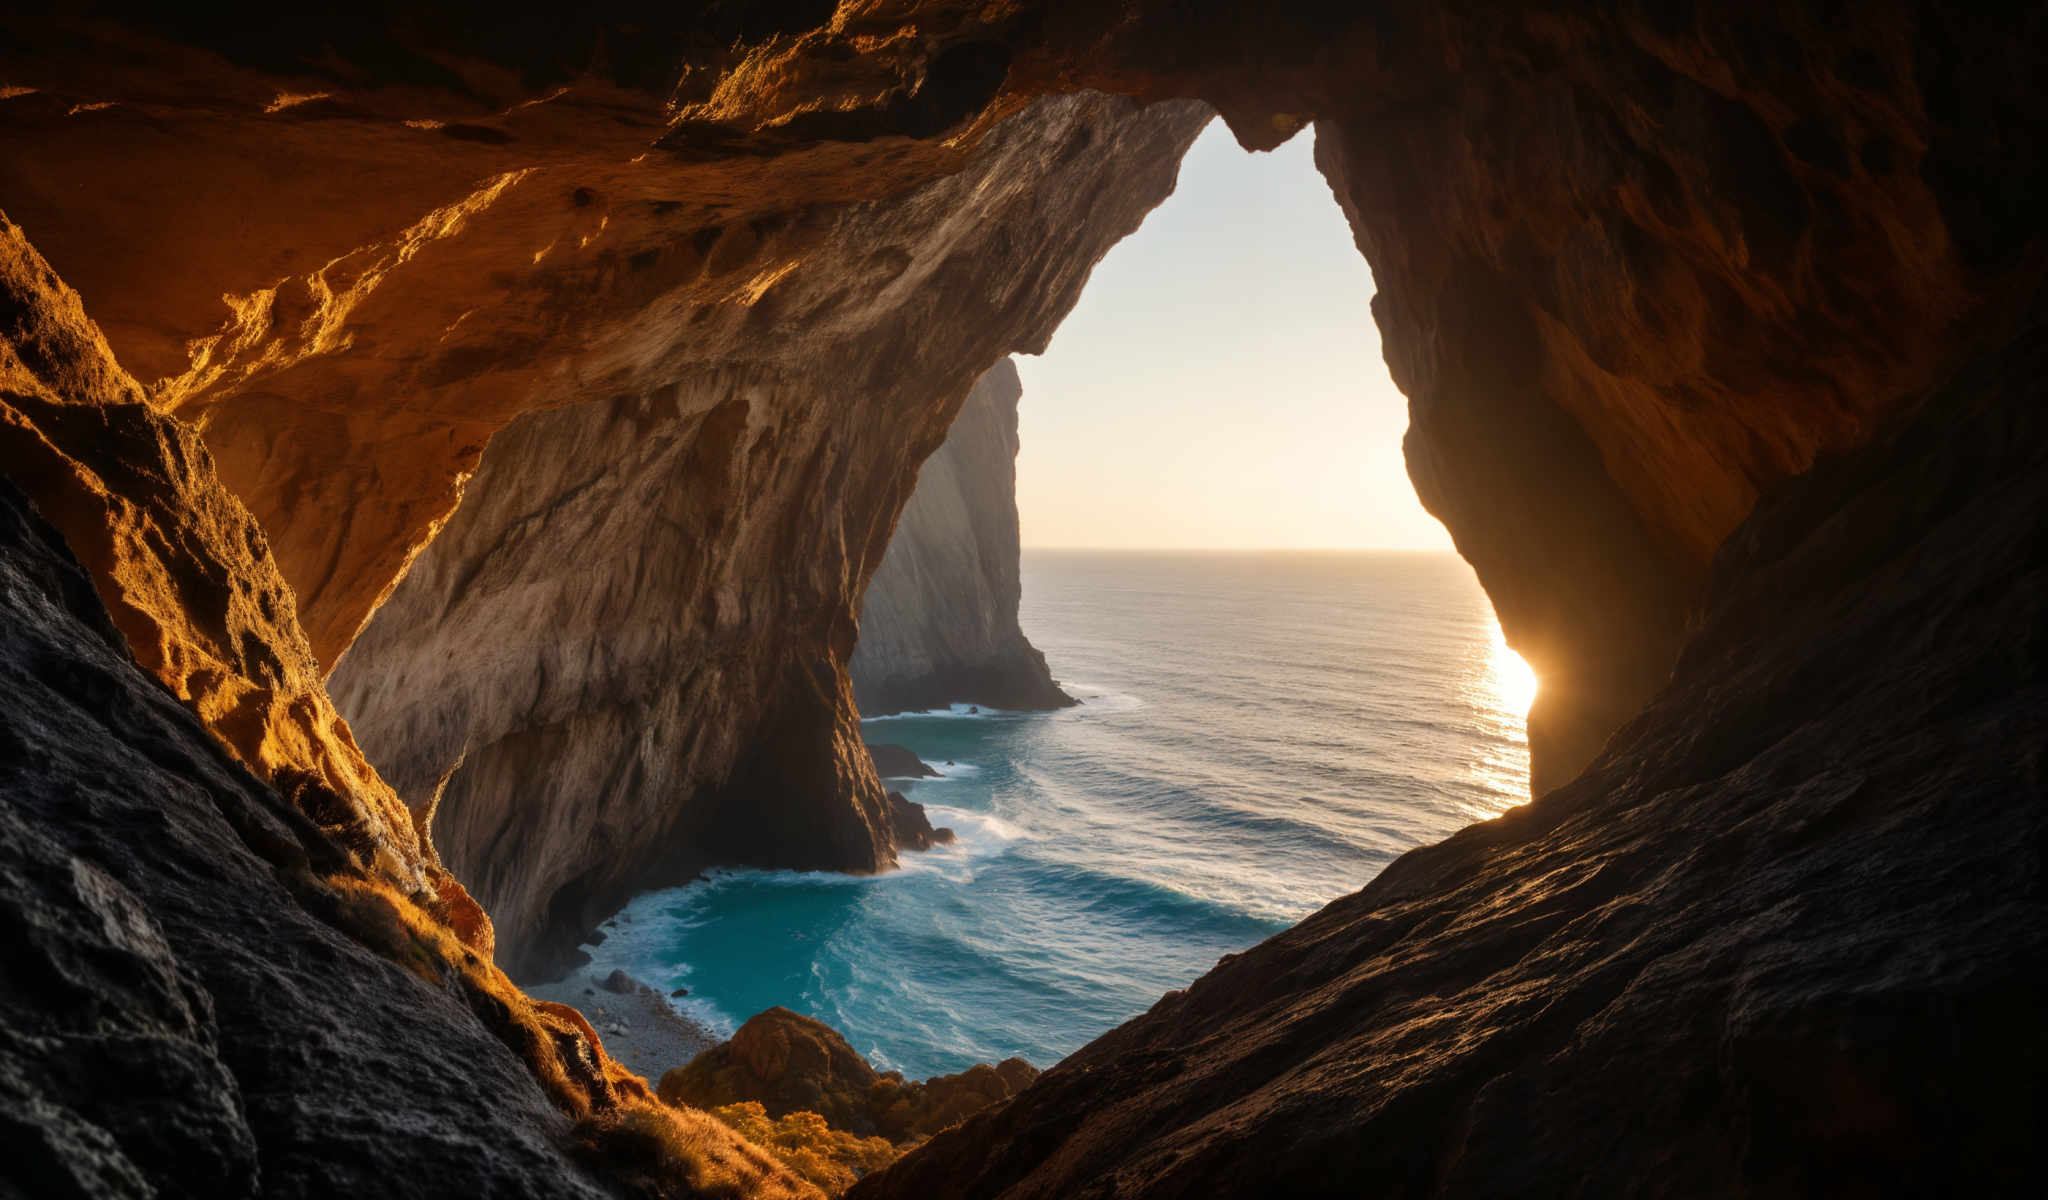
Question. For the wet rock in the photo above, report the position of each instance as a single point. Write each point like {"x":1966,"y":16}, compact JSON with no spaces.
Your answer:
{"x":621,"y":984}
{"x":898,"y":762}
{"x":912,"y":827}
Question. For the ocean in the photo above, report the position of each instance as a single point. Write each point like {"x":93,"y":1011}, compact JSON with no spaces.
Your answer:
{"x":1259,"y":734}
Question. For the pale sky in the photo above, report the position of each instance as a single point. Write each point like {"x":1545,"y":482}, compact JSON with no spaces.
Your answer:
{"x":1220,"y":382}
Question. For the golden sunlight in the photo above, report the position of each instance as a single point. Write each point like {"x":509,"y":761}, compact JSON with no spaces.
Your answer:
{"x":1513,"y":680}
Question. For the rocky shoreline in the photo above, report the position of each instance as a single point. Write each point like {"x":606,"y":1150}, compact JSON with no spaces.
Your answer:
{"x":640,"y":1028}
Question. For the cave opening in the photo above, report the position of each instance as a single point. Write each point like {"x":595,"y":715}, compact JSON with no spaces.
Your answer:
{"x":1194,"y":505}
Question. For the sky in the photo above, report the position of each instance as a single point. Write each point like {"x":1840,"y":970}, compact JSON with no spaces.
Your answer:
{"x":1220,"y":383}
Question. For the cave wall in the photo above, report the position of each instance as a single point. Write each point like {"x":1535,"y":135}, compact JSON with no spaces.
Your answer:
{"x":1610,"y":241}
{"x":1639,"y":266}
{"x":624,"y":658}
{"x":938,"y":621}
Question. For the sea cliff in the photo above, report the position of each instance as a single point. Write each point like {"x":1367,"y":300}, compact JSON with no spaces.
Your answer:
{"x":938,"y":622}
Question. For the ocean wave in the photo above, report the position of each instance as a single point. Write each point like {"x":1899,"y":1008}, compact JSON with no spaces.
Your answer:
{"x":962,"y":711}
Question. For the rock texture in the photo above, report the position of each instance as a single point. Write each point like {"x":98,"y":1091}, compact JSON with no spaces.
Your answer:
{"x":1635,"y":263}
{"x":938,"y":623}
{"x":898,"y":762}
{"x":1784,"y":937}
{"x":787,"y":1062}
{"x":624,"y":659}
{"x":710,"y":279}
{"x":218,"y":986}
{"x":189,"y":1007}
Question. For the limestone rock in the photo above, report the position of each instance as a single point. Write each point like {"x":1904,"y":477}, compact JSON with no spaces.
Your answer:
{"x":938,"y":622}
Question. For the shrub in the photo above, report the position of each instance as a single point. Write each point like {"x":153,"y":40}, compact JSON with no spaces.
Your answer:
{"x":831,"y":1158}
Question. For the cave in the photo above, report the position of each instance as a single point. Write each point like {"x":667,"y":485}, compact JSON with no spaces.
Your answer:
{"x":340,"y":356}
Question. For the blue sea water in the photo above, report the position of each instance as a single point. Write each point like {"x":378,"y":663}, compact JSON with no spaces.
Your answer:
{"x":1260,"y":733}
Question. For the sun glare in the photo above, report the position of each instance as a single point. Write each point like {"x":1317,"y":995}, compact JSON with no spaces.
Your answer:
{"x":1513,"y":680}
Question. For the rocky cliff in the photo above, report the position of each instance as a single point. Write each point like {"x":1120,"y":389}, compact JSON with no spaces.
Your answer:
{"x":623,"y":659}
{"x":232,"y":967}
{"x":678,"y":296}
{"x":938,"y":622}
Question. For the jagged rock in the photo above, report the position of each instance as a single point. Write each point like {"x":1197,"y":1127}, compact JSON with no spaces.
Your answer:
{"x":1784,"y":937}
{"x":788,"y":1063}
{"x":898,"y":762}
{"x":173,"y":1022}
{"x":938,"y":622}
{"x":912,"y":827}
{"x":218,"y":986}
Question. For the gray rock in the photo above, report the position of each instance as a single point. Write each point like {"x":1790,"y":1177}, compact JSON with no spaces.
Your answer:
{"x":173,"y":1022}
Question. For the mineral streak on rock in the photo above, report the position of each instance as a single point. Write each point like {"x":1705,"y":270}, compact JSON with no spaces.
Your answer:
{"x":938,"y":623}
{"x":623,"y":659}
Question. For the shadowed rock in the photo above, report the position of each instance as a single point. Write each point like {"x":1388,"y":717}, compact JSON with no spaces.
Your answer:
{"x":791,"y":1063}
{"x":898,"y":762}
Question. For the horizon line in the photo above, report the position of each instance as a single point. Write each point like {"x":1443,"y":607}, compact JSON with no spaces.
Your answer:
{"x":1243,"y":549}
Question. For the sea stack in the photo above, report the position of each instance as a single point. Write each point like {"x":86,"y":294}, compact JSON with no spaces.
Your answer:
{"x":938,"y":624}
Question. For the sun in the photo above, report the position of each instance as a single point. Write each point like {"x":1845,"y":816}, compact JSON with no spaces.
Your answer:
{"x":1514,"y":682}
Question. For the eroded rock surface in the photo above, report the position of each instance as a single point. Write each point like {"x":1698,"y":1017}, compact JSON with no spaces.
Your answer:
{"x":1784,"y":937}
{"x":938,"y":623}
{"x":1638,"y":266}
{"x":218,"y":985}
{"x":173,"y":1022}
{"x":898,"y":762}
{"x":1635,"y":263}
{"x":623,"y":659}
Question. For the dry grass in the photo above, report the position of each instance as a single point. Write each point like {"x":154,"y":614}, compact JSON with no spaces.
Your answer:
{"x":831,"y":1158}
{"x":664,"y":1153}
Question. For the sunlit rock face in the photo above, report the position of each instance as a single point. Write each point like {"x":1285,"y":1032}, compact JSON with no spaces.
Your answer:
{"x":626,"y":654}
{"x":938,"y":622}
{"x":183,"y":569}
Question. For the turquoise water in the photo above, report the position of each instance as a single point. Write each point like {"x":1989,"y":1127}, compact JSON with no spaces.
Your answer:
{"x":1259,"y":734}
